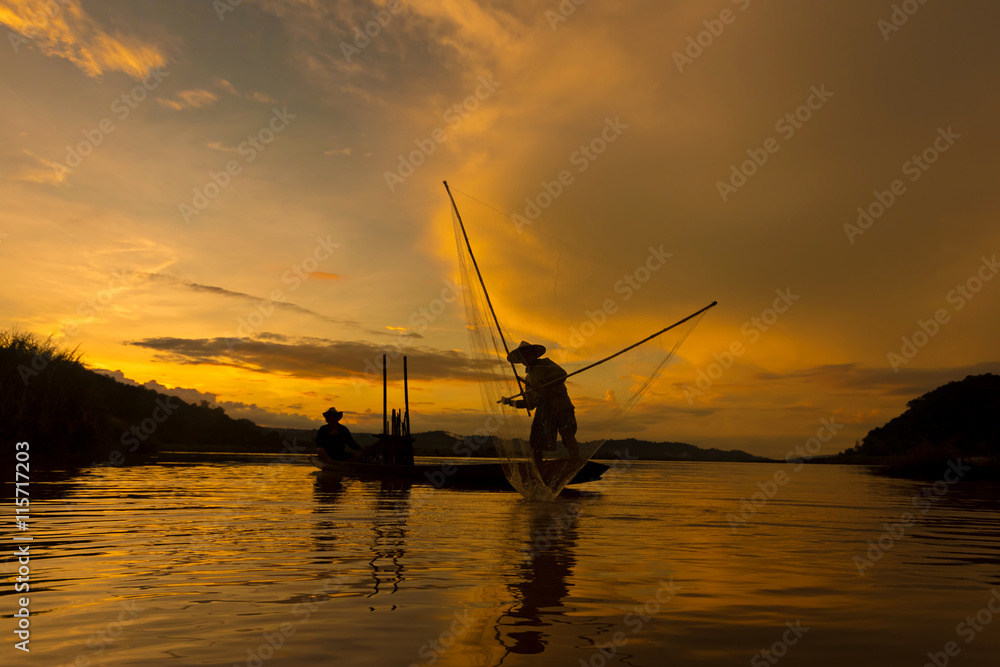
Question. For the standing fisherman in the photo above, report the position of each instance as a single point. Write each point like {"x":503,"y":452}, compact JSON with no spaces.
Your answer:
{"x":545,"y":391}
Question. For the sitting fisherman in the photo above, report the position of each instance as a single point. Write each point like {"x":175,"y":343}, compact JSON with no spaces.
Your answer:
{"x":545,"y":391}
{"x":333,"y":437}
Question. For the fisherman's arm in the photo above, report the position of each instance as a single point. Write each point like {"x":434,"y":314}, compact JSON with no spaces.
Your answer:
{"x":349,"y":440}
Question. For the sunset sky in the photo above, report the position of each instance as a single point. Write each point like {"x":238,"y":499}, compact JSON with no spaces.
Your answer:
{"x":243,"y":200}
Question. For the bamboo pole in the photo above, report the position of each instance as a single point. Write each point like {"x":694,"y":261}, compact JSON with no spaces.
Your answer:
{"x":385,"y":401}
{"x":630,"y":347}
{"x":483,"y":285}
{"x":406,"y":401}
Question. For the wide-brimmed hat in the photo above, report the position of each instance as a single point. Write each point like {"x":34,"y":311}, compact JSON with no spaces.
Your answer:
{"x":334,"y":413}
{"x":525,"y":351}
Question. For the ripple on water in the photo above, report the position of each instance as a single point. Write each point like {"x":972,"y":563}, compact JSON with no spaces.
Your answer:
{"x":198,"y":563}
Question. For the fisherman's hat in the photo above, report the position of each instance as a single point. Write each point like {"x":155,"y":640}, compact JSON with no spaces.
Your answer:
{"x":333,"y":413}
{"x":525,"y":351}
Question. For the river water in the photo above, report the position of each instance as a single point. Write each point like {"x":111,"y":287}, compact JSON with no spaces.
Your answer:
{"x":244,"y":560}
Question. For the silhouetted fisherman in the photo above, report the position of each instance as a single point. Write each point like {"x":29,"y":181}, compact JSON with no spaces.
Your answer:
{"x":545,"y":391}
{"x":333,"y":437}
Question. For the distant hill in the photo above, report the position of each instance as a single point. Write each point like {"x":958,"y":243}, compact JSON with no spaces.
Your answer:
{"x":674,"y":451}
{"x":71,"y":415}
{"x":958,"y":419}
{"x":442,"y":443}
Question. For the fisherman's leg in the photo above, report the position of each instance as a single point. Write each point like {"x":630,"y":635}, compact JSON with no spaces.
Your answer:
{"x":537,"y":439}
{"x":568,"y":432}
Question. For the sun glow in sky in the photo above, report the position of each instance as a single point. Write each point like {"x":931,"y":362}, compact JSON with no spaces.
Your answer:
{"x":242,"y":201}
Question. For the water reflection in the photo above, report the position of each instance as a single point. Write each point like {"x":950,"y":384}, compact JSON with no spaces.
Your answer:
{"x":480,"y":578}
{"x":387,"y":537}
{"x":540,"y":579}
{"x":392,"y":508}
{"x":327,"y":491}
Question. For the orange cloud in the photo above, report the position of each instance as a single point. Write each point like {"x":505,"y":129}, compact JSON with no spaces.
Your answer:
{"x":190,"y":99}
{"x":320,"y":275}
{"x":64,"y":30}
{"x":49,"y":172}
{"x":263,"y":98}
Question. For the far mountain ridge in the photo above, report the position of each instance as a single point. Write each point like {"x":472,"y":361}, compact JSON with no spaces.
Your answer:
{"x":443,"y":443}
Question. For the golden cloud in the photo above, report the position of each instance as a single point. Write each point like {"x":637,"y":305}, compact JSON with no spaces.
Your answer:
{"x":43,"y":171}
{"x":64,"y":30}
{"x":190,"y":99}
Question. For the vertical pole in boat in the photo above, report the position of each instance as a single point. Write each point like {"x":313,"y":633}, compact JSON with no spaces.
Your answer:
{"x":483,"y":285}
{"x":385,"y":423}
{"x":406,"y":401}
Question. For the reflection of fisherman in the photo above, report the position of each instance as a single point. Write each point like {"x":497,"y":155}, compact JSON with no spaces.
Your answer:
{"x":333,"y":436}
{"x":545,"y":390}
{"x":544,"y":580}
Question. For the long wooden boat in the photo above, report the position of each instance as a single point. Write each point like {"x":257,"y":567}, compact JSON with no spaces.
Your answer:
{"x":468,"y":475}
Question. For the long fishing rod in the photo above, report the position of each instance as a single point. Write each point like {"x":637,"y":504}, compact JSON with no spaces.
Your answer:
{"x":483,"y":285}
{"x":623,"y":351}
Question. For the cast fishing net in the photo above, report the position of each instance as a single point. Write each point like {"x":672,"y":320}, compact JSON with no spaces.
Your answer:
{"x":522,"y":284}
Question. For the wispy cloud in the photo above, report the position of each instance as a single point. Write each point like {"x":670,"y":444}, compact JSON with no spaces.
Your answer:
{"x":311,"y":357}
{"x":882,"y":381}
{"x":221,"y":291}
{"x":40,"y":170}
{"x":64,"y":30}
{"x":263,"y":98}
{"x":219,"y":146}
{"x":256,"y":96}
{"x":190,"y":99}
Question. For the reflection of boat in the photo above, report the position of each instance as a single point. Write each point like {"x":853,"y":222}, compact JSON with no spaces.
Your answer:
{"x":471,"y":475}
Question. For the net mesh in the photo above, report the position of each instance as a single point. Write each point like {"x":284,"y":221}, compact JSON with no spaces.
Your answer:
{"x":543,"y":291}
